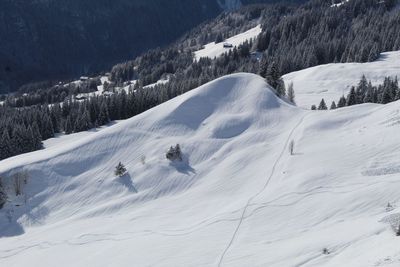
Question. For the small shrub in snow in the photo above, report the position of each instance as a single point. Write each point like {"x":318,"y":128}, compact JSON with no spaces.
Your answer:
{"x":313,"y":107}
{"x":326,"y":251}
{"x":389,"y":207}
{"x":398,"y":230}
{"x":174,"y":153}
{"x":143,"y":160}
{"x":120,"y":170}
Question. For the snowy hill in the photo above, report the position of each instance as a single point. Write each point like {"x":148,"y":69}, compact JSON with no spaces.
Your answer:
{"x":237,"y":199}
{"x":331,"y":81}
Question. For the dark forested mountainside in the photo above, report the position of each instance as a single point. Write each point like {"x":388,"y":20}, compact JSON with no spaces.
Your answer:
{"x":56,"y":39}
{"x":292,"y":38}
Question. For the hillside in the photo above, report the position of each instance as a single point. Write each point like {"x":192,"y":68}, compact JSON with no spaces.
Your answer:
{"x":237,"y":199}
{"x":331,"y":81}
{"x":54,"y":39}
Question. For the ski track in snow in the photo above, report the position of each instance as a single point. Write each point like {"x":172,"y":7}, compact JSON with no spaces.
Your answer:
{"x":261,"y":191}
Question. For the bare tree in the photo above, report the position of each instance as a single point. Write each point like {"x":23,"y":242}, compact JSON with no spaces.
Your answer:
{"x":3,"y":195}
{"x":291,"y":147}
{"x":398,"y":230}
{"x":19,"y":180}
{"x":290,"y":93}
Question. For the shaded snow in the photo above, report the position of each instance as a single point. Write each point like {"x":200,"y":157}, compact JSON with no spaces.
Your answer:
{"x":237,"y":199}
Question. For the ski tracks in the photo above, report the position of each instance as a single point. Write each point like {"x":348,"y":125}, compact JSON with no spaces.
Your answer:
{"x":267,"y":181}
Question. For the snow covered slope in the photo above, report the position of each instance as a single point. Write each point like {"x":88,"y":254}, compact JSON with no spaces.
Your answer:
{"x":237,"y":199}
{"x":331,"y":81}
{"x":213,"y":50}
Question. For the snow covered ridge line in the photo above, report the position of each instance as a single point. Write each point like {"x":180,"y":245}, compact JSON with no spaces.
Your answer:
{"x":212,"y":50}
{"x":253,"y":185}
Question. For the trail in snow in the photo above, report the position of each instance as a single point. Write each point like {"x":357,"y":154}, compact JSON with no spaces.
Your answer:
{"x":288,"y":139}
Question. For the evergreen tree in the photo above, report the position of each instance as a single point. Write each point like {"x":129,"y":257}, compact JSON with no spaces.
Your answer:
{"x":219,"y":38}
{"x":342,"y":102}
{"x":368,"y":98}
{"x":120,"y":170}
{"x":103,"y":117}
{"x":273,"y":76}
{"x":281,"y":89}
{"x":313,"y":107}
{"x":5,"y":146}
{"x":386,"y":95}
{"x":333,"y":105}
{"x":322,"y":105}
{"x":351,"y":98}
{"x":361,"y":90}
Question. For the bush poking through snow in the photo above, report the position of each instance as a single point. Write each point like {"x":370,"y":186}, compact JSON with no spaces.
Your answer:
{"x":389,"y":207}
{"x":174,"y":153}
{"x":143,"y":160}
{"x":398,"y":231}
{"x":326,"y":251}
{"x":120,"y":170}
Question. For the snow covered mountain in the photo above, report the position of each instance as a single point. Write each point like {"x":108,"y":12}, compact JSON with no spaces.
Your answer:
{"x":238,"y":198}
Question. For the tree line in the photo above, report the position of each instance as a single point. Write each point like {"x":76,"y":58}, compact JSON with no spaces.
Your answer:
{"x":365,"y":92}
{"x":292,"y":38}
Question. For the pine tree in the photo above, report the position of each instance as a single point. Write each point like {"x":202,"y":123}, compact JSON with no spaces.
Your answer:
{"x":333,"y":105}
{"x":368,"y":98}
{"x":120,"y":170}
{"x":386,"y":95}
{"x":273,"y":76}
{"x":322,"y":105}
{"x":281,"y":88}
{"x":36,"y":137}
{"x":361,"y":89}
{"x":351,"y":98}
{"x":342,"y":102}
{"x":5,"y":146}
{"x":68,"y":128}
{"x":219,"y":38}
{"x":103,"y":117}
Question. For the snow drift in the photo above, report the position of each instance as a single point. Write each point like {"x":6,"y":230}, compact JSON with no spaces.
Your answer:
{"x":238,"y":198}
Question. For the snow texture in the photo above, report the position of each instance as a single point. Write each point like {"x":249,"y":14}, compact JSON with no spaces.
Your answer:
{"x":238,"y":198}
{"x":331,"y":81}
